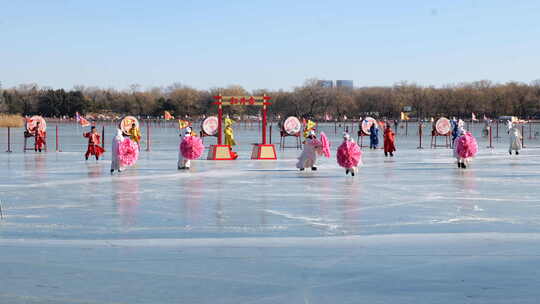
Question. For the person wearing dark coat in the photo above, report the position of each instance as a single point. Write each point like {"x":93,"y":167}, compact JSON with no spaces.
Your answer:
{"x":373,"y":136}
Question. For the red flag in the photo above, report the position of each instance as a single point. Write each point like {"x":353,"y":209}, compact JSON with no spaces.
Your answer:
{"x":84,"y":122}
{"x":167,"y":115}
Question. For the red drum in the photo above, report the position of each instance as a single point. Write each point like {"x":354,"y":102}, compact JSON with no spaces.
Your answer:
{"x":292,"y":125}
{"x":443,"y":126}
{"x":31,"y":123}
{"x":210,"y":125}
{"x":366,"y":124}
{"x":127,"y":122}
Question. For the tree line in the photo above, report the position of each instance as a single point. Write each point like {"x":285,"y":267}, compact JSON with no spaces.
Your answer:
{"x":309,"y":100}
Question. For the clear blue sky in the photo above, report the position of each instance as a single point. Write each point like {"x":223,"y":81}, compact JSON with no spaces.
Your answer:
{"x":266,"y":44}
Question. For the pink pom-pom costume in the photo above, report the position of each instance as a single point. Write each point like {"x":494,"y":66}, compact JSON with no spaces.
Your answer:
{"x":128,"y":152}
{"x":465,"y":148}
{"x":125,"y":152}
{"x":191,"y":147}
{"x":349,"y":155}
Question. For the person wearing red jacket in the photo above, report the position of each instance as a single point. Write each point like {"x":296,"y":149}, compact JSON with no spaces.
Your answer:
{"x":39,"y":137}
{"x":94,"y":141}
{"x":389,"y":141}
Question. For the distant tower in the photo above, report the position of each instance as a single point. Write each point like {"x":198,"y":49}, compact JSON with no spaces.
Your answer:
{"x":325,"y":83}
{"x":346,"y":84}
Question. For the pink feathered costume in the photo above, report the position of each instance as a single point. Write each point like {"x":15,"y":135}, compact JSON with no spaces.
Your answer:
{"x":191,"y":147}
{"x":125,"y":152}
{"x":349,"y":155}
{"x":465,"y":148}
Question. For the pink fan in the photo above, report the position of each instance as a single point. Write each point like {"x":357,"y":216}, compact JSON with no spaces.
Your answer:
{"x":128,"y":152}
{"x":349,"y":155}
{"x":325,"y":145}
{"x":192,"y":147}
{"x":466,"y":146}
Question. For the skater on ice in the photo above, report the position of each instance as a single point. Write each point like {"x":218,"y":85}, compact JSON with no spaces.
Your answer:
{"x":373,"y":136}
{"x":465,"y":147}
{"x":124,"y":152}
{"x":312,"y":148}
{"x":191,"y":147}
{"x":94,"y":141}
{"x":349,"y":155}
{"x":389,"y":141}
{"x":515,"y":137}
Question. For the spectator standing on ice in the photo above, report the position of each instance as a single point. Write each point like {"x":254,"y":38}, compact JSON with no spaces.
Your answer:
{"x":373,"y":136}
{"x":516,"y":139}
{"x":389,"y":141}
{"x":308,"y":158}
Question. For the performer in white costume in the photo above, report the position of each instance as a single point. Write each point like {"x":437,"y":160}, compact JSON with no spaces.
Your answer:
{"x":516,"y":143}
{"x":183,"y":163}
{"x":308,"y":158}
{"x":115,"y":159}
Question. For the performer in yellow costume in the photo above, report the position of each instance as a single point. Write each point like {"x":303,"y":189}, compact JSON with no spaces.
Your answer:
{"x":229,"y":134}
{"x":135,"y":134}
{"x":310,"y":126}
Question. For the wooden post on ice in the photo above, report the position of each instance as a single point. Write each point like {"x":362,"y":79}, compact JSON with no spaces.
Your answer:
{"x":419,"y":134}
{"x":8,"y":140}
{"x":147,"y":136}
{"x":103,"y":136}
{"x":490,"y":137}
{"x":523,"y":135}
{"x":406,"y":127}
{"x":56,"y":138}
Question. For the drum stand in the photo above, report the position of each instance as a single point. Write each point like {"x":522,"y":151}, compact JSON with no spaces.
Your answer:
{"x":434,"y":145}
{"x":283,"y":135}
{"x":32,"y":148}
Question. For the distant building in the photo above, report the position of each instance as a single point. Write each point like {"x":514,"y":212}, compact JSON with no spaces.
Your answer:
{"x":344,"y":84}
{"x":325,"y":83}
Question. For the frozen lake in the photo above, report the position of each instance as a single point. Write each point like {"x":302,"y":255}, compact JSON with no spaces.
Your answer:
{"x":408,"y":229}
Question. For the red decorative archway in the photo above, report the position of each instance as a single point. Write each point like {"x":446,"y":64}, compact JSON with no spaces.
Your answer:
{"x":260,"y":151}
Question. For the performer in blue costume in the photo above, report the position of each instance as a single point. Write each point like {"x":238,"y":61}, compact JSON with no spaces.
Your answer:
{"x":373,"y":136}
{"x":455,"y":129}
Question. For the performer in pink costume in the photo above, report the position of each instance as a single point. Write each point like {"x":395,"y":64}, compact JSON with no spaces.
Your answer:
{"x":349,"y":155}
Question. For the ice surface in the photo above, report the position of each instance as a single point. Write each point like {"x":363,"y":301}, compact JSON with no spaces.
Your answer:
{"x":408,"y":229}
